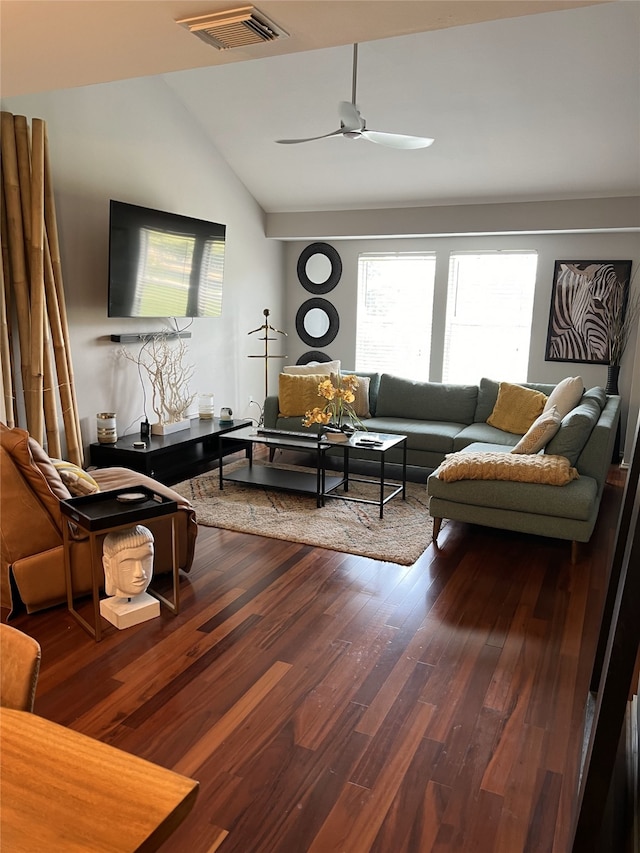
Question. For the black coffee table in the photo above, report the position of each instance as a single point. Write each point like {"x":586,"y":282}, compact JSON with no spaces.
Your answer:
{"x":282,"y":479}
{"x":318,"y":483}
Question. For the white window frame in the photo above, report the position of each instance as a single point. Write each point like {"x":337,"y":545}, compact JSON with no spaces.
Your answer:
{"x":489,"y":315}
{"x":395,"y":312}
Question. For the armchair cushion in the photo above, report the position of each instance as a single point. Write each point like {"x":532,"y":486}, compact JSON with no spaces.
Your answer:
{"x":78,"y":481}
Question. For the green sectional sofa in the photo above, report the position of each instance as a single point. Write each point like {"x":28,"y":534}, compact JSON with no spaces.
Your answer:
{"x":440,"y":419}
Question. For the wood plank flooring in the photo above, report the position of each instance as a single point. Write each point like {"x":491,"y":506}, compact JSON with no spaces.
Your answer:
{"x":328,"y":703}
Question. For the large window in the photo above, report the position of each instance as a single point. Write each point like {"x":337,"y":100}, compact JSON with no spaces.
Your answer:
{"x":488,"y":320}
{"x":395,"y":309}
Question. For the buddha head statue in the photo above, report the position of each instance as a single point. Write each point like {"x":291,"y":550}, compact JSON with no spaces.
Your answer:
{"x":127,"y":558}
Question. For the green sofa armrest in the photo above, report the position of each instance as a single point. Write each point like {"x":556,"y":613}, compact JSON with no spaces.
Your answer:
{"x":270,"y":412}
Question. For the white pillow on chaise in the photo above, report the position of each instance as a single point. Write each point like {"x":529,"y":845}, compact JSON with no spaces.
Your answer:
{"x":565,"y":396}
{"x":322,"y":367}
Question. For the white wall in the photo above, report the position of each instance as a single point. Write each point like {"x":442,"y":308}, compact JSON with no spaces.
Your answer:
{"x":133,"y":141}
{"x":550,"y":247}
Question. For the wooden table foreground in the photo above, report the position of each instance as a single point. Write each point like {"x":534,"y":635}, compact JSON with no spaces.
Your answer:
{"x":62,"y":790}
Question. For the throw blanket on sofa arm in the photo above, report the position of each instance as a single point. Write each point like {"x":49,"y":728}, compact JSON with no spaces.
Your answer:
{"x":520,"y":468}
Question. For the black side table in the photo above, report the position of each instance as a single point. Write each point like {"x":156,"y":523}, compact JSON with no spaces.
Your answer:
{"x":362,"y":440}
{"x":106,"y":512}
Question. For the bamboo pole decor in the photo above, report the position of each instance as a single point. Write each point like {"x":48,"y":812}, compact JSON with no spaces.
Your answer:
{"x":32,"y":308}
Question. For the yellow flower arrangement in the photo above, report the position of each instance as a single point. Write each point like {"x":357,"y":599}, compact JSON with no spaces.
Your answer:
{"x":338,"y":412}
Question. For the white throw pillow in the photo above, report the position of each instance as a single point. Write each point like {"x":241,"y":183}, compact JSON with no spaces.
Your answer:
{"x":539,"y":433}
{"x":565,"y":396}
{"x":324,"y":367}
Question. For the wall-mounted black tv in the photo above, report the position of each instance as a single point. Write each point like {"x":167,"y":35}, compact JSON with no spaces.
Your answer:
{"x":163,"y":264}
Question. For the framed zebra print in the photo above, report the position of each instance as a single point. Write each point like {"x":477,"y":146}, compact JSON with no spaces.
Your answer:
{"x":584,"y":298}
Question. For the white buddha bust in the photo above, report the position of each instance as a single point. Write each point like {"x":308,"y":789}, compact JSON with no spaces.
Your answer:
{"x":127,"y":558}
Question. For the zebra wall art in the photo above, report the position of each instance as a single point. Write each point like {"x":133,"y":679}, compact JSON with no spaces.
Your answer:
{"x":585,"y":296}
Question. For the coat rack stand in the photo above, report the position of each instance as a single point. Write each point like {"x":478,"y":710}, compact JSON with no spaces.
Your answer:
{"x":266,"y":328}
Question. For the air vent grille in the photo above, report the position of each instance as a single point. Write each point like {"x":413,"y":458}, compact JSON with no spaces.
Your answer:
{"x":233,"y":28}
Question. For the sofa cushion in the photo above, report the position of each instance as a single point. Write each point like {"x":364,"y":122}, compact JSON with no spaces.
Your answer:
{"x":566,"y":395}
{"x":598,"y":394}
{"x":540,"y":432}
{"x":575,"y":429}
{"x":519,"y":468}
{"x":576,"y":500}
{"x":425,"y":401}
{"x":425,"y":436}
{"x":516,"y":408}
{"x":299,"y":393}
{"x":487,"y":396}
{"x":486,"y":434}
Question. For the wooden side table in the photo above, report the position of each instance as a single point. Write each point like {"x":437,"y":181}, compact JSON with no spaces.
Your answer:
{"x":107,"y":512}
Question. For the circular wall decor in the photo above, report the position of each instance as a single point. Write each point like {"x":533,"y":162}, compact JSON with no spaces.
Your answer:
{"x":317,"y":322}
{"x":314,"y":355}
{"x":319,"y":268}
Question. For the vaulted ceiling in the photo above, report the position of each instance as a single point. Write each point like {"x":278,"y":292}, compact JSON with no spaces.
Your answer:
{"x":526,"y":99}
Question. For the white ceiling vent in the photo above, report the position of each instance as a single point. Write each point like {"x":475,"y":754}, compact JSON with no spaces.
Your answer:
{"x":234,"y":28}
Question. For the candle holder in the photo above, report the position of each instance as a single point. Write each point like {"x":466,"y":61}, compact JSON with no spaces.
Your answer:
{"x":106,"y":424}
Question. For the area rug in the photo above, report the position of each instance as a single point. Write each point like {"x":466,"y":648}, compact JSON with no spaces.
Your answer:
{"x":354,"y":528}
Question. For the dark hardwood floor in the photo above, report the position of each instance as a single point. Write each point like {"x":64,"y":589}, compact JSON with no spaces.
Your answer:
{"x":327,"y":702}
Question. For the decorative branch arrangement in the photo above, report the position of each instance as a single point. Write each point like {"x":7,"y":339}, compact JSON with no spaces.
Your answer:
{"x":169,"y":376}
{"x":621,"y":324}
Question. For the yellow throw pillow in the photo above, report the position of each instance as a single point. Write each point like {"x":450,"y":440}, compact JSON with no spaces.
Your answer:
{"x":516,"y":408}
{"x":75,"y":479}
{"x":519,"y":468}
{"x":298,"y":393}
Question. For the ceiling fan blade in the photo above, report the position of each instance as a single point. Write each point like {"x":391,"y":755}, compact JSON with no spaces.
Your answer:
{"x":396,"y":140}
{"x":350,"y":117}
{"x":310,"y":138}
{"x":353,"y":126}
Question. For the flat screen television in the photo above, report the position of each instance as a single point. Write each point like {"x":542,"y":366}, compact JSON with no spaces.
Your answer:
{"x":163,"y":264}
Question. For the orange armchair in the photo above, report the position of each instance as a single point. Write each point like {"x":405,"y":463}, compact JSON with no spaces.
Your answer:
{"x":31,"y":551}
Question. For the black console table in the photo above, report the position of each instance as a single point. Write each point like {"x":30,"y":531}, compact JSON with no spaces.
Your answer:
{"x":170,"y":458}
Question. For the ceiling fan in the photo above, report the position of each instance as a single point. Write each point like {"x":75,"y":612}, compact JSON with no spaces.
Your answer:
{"x":353,"y":126}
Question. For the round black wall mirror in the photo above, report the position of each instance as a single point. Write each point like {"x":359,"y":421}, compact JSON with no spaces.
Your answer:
{"x":317,"y":322}
{"x":314,"y":355}
{"x":319,"y":268}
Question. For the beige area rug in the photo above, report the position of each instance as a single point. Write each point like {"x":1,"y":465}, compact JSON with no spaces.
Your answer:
{"x":354,"y":528}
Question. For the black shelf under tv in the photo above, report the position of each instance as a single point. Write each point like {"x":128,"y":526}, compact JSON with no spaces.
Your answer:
{"x":174,"y":457}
